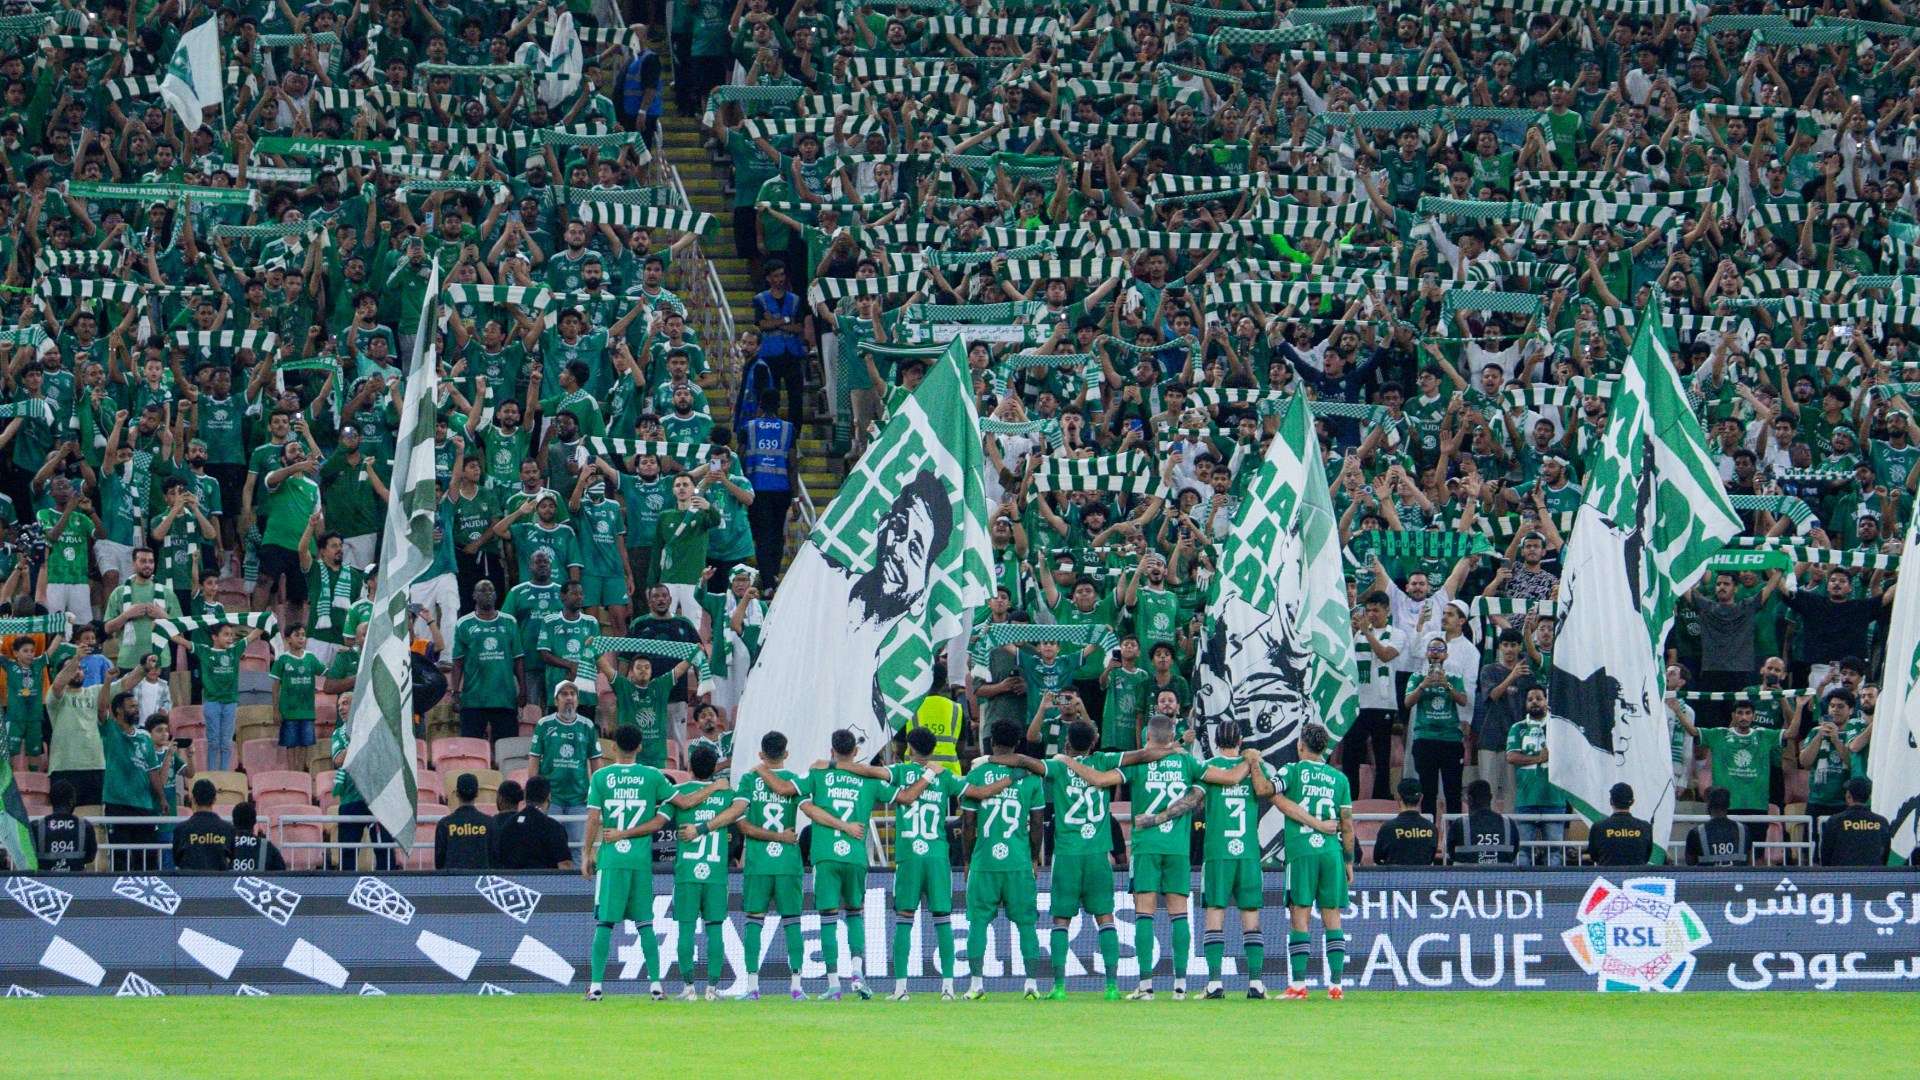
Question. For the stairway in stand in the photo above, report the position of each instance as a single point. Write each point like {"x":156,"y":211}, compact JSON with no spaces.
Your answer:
{"x":705,"y":181}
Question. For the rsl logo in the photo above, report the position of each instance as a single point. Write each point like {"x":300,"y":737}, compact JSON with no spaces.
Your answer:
{"x":1636,"y":936}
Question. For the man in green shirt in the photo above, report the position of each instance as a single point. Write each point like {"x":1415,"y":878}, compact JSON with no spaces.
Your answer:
{"x":703,"y":808}
{"x":487,"y":664}
{"x":1436,"y":730}
{"x":770,"y":867}
{"x":601,"y":523}
{"x":1162,"y":859}
{"x":1319,"y":867}
{"x":1532,"y":792}
{"x":77,"y":756}
{"x":1124,"y":704}
{"x":682,"y":539}
{"x":842,"y":800}
{"x":528,"y":604}
{"x":134,"y":772}
{"x":333,"y":586}
{"x":1743,"y":755}
{"x":292,"y":496}
{"x":69,"y":525}
{"x":998,"y":833}
{"x":132,"y":608}
{"x":640,"y":701}
{"x":564,"y":641}
{"x":565,"y":746}
{"x":626,"y":805}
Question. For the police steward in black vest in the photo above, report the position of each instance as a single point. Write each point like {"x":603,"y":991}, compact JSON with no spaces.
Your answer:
{"x":205,"y":840}
{"x":1855,"y":836}
{"x":1410,"y":839}
{"x":1620,"y":839}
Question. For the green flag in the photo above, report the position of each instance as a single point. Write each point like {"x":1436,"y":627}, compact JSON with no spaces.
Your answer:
{"x":893,"y":570}
{"x":1654,"y":515}
{"x":14,"y":834}
{"x":1279,"y":646}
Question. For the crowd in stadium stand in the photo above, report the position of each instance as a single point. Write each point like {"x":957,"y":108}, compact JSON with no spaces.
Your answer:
{"x":1154,"y":222}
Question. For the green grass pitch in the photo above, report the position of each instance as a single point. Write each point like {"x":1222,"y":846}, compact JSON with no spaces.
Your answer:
{"x":1370,"y":1034}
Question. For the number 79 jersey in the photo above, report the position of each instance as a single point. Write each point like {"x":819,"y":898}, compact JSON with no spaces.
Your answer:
{"x":1155,"y":786}
{"x":1000,"y":833}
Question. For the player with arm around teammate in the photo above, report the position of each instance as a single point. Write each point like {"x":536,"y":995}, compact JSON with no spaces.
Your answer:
{"x":1319,"y":869}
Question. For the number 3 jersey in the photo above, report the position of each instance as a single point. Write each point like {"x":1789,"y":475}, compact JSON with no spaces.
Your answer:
{"x":1233,"y":815}
{"x":1000,"y":831}
{"x":627,"y":795}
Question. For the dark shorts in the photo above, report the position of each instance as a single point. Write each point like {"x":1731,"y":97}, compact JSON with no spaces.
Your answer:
{"x":278,"y":563}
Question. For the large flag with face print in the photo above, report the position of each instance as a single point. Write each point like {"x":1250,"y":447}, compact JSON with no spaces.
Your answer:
{"x":1279,"y":645}
{"x":380,"y":740}
{"x":1653,"y":514}
{"x":895,"y":565}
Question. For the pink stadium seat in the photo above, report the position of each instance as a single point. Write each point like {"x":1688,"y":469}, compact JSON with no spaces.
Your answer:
{"x":281,"y":788}
{"x":519,"y":776}
{"x":323,"y":788}
{"x":36,"y":805}
{"x":270,"y":815}
{"x":1399,"y":758}
{"x":1366,"y":778}
{"x":1375,"y":806}
{"x":678,"y":776}
{"x":32,"y":783}
{"x":301,"y":832}
{"x":431,"y":786}
{"x":188,"y":722}
{"x":264,"y":755}
{"x":454,"y":754}
{"x":419,"y":754}
{"x":1364,"y":833}
{"x":422,"y":857}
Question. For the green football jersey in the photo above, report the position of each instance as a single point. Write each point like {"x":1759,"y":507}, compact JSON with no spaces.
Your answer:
{"x":920,"y":827}
{"x":1233,"y":816}
{"x":566,"y":750}
{"x":1321,"y":790}
{"x":1002,"y":828}
{"x":851,"y":799}
{"x":568,"y":639}
{"x":774,"y":813}
{"x":1157,"y":785}
{"x":627,"y":795}
{"x":644,"y":707}
{"x":486,"y":649}
{"x":1079,"y":808}
{"x":705,"y":857}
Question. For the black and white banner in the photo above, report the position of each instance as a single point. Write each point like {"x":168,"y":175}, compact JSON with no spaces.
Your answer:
{"x":1407,"y":930}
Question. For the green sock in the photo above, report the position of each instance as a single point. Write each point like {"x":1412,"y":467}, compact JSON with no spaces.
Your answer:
{"x":1143,"y":945}
{"x":1299,"y":948}
{"x":1336,"y":956}
{"x":602,"y":941}
{"x":1215,"y":946}
{"x":943,"y":936}
{"x":1059,"y":957}
{"x":750,"y":941}
{"x":1110,"y":953}
{"x":830,"y":943}
{"x":857,"y":939}
{"x":1030,"y":949}
{"x":902,"y":942}
{"x":1182,"y":946}
{"x":977,"y":923}
{"x":716,"y":950}
{"x":650,"y":949}
{"x":796,"y":944}
{"x":1256,"y":958}
{"x":687,"y":927}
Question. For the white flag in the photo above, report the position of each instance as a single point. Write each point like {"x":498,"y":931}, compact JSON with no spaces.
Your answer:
{"x":192,"y":80}
{"x":887,"y":576}
{"x":557,"y":71}
{"x":1655,"y":512}
{"x":380,"y":748}
{"x":1893,"y":761}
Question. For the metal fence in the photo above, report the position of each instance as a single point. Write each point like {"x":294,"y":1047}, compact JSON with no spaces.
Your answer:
{"x":311,"y":841}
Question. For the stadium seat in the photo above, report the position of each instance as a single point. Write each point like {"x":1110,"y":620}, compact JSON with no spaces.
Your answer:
{"x":455,"y":753}
{"x":231,"y":786}
{"x":278,"y":788}
{"x":518,"y":776}
{"x":429,"y":783}
{"x":255,"y":722}
{"x":1366,"y":778}
{"x":678,"y":776}
{"x":323,"y":788}
{"x":265,"y":755}
{"x":1795,"y":782}
{"x":1364,"y":833}
{"x":33,"y":783}
{"x":489,"y":780}
{"x":188,"y":722}
{"x":511,"y":754}
{"x":1375,"y":806}
{"x":302,"y":832}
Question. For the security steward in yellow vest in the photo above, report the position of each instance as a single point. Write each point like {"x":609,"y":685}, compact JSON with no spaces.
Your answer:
{"x":947,"y":719}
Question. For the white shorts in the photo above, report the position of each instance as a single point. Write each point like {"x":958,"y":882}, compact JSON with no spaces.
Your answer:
{"x":75,"y":600}
{"x":439,"y":595}
{"x":360,"y":551}
{"x":113,"y":558}
{"x":327,"y":650}
{"x":686,"y":603}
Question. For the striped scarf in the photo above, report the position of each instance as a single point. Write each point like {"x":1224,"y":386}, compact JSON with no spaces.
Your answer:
{"x":1795,"y":509}
{"x":646,"y":217}
{"x":186,"y":626}
{"x":1130,"y":471}
{"x":1426,"y":544}
{"x":680,"y":652}
{"x":1502,"y":528}
{"x":684,"y":452}
{"x":51,"y":625}
{"x":999,"y":635}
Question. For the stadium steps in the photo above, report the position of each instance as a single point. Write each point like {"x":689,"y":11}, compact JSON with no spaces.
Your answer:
{"x":682,"y":142}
